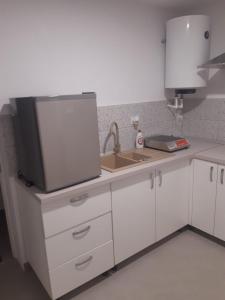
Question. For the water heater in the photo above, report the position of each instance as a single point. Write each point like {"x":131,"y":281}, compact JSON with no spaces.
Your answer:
{"x":187,"y":47}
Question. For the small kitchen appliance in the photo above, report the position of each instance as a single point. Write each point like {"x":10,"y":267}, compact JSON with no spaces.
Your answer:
{"x":167,"y":143}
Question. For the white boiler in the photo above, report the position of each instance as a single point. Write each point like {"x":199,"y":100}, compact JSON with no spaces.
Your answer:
{"x":187,"y":47}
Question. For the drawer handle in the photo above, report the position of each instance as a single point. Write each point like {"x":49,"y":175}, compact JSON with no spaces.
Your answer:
{"x":80,"y":264}
{"x":221,"y":176}
{"x":211,"y":174}
{"x":152,"y":180}
{"x":160,"y":178}
{"x":82,"y":232}
{"x":79,"y":200}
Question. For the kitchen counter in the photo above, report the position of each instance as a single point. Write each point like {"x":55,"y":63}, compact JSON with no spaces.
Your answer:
{"x":215,"y":155}
{"x":201,"y":149}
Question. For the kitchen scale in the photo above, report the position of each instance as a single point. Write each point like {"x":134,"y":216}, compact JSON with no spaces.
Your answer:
{"x":167,"y":143}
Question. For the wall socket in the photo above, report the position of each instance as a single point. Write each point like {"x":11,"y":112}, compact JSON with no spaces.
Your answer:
{"x":135,"y":122}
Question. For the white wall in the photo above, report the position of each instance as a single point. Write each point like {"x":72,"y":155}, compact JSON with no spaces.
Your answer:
{"x":217,"y":14}
{"x":217,"y":79}
{"x":112,"y":47}
{"x":216,"y":11}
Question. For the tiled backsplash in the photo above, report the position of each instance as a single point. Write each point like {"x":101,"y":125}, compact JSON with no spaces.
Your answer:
{"x":154,"y":118}
{"x":202,"y":118}
{"x":205,"y":118}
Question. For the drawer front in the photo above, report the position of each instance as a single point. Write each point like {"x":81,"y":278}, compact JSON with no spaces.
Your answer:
{"x":82,"y":269}
{"x":75,"y":210}
{"x":78,"y":240}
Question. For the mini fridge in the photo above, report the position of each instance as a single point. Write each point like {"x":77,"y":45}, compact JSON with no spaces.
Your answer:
{"x":57,"y":140}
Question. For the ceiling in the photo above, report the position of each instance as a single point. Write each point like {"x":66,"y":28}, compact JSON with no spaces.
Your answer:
{"x":181,"y":3}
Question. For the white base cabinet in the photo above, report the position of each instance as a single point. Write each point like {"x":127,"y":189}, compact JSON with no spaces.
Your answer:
{"x":219,"y":230}
{"x":147,"y":208}
{"x":172,"y":198}
{"x":208,"y":212}
{"x":204,"y":195}
{"x":69,"y":241}
{"x":77,"y":237}
{"x":133,"y":206}
{"x":81,"y":269}
{"x":78,"y":240}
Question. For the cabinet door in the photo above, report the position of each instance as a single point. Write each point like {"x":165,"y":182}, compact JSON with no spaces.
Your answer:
{"x":220,"y":205}
{"x":133,"y":207}
{"x":204,"y":195}
{"x":172,"y":196}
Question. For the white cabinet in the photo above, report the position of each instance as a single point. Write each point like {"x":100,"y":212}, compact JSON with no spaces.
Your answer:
{"x":204,"y":195}
{"x":69,"y":240}
{"x":146,"y":210}
{"x":71,"y":243}
{"x":133,"y":206}
{"x":220,"y":205}
{"x":81,"y":269}
{"x":77,"y":236}
{"x":75,"y":209}
{"x":172,"y":198}
{"x":208,"y":208}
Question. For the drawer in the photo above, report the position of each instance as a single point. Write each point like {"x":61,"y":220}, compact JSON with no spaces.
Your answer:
{"x":78,"y":240}
{"x":82,"y":269}
{"x":76,"y":209}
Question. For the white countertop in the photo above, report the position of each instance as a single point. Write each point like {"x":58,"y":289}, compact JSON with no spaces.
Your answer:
{"x":216,"y":155}
{"x":209,"y":151}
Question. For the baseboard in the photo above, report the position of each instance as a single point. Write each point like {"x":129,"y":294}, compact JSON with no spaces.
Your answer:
{"x":206,"y":235}
{"x":150,"y":248}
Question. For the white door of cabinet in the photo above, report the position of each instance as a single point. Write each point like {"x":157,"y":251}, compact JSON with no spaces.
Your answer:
{"x":133,"y":207}
{"x":172,"y":198}
{"x":204,"y":195}
{"x":220,"y":205}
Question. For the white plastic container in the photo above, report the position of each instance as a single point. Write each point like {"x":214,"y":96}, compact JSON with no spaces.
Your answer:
{"x":139,"y":140}
{"x":187,"y":47}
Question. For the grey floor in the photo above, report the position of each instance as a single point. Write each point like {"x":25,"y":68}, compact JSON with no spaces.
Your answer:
{"x":187,"y":267}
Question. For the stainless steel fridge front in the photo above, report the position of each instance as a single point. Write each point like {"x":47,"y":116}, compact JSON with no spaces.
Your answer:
{"x":69,"y":141}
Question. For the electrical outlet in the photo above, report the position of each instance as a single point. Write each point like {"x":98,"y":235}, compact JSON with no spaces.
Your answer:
{"x":135,"y":121}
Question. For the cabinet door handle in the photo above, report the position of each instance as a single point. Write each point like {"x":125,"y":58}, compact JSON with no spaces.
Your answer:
{"x":82,"y":232}
{"x":160,"y":178}
{"x":79,"y":200}
{"x":211,"y":174}
{"x":152,"y":181}
{"x":80,"y":264}
{"x":221,"y":176}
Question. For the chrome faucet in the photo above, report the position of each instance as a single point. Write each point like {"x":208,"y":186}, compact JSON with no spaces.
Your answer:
{"x":116,"y":138}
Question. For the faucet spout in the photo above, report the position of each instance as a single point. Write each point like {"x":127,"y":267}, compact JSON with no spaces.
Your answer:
{"x":115,"y":134}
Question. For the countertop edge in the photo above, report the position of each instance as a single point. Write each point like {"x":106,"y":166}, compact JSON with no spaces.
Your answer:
{"x":188,"y":154}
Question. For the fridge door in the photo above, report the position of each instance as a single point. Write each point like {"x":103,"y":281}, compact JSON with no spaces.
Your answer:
{"x":68,"y":131}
